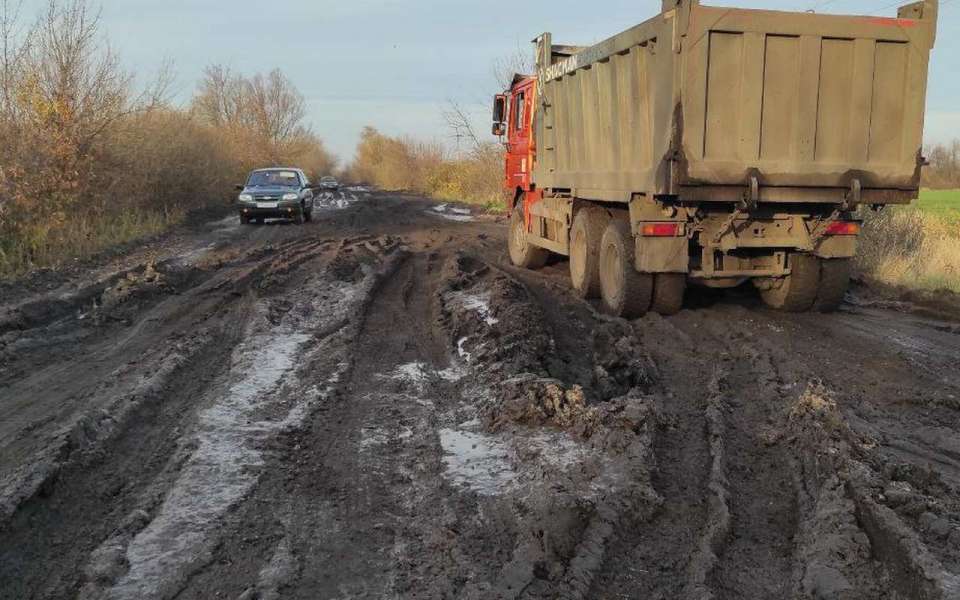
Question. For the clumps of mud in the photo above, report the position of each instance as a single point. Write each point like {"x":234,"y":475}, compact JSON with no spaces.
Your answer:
{"x":539,"y":401}
{"x":126,"y":287}
{"x":489,"y":318}
{"x":571,"y":470}
{"x":346,"y":267}
{"x":869,"y":522}
{"x":620,"y":363}
{"x":354,"y":261}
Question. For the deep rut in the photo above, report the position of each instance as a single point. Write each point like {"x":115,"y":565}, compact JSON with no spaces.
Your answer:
{"x":123,"y":450}
{"x":362,"y":459}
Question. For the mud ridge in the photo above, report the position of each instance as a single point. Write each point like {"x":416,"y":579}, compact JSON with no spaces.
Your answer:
{"x":717,"y":528}
{"x":595,"y":479}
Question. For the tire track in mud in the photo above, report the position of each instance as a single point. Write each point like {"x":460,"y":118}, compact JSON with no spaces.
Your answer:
{"x":873,"y":503}
{"x":573,"y":476}
{"x":95,"y":476}
{"x":718,"y":523}
{"x":366,"y":456}
{"x":343,"y":490}
{"x":650,"y":559}
{"x":756,"y":560}
{"x":263,"y":395}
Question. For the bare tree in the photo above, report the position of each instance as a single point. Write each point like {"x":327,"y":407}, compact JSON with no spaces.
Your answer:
{"x":277,"y":106}
{"x":14,"y":42}
{"x":458,"y":122}
{"x":269,"y":105}
{"x":520,"y":61}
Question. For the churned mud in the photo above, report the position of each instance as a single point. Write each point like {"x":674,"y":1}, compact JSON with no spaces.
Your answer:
{"x":377,"y":405}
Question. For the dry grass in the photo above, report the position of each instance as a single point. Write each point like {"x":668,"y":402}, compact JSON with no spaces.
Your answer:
{"x":82,"y":237}
{"x":910,"y":247}
{"x":819,"y":404}
{"x":399,"y":163}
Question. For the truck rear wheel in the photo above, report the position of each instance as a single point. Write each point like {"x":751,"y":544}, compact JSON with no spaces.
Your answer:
{"x":797,"y":291}
{"x":668,"y":289}
{"x":523,"y":253}
{"x":626,"y":292}
{"x":585,"y":234}
{"x":834,"y":281}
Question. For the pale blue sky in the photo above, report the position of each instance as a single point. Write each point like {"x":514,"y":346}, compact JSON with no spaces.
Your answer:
{"x":393,"y":64}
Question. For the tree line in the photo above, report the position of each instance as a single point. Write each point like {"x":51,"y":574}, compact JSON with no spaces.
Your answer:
{"x":943,"y":170}
{"x":89,"y":159}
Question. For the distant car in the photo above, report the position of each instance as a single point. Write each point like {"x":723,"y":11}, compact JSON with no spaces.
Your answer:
{"x":329,"y":183}
{"x":283,"y":193}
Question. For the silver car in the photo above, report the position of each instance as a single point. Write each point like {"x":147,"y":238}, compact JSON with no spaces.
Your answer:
{"x":329,"y":183}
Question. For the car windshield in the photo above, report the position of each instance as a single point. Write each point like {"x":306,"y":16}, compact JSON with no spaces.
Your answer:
{"x":273,"y":178}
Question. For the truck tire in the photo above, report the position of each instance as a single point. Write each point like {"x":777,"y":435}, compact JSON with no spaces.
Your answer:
{"x":798,"y":290}
{"x":523,"y":253}
{"x":626,"y":292}
{"x":244,"y":220}
{"x":668,"y":289}
{"x":834,"y":281}
{"x":588,"y":227}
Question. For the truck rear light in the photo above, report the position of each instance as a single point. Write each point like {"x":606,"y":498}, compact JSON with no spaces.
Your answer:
{"x":843,"y":228}
{"x":661,"y":229}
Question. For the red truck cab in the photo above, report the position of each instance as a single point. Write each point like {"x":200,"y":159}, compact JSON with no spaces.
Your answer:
{"x":513,"y":118}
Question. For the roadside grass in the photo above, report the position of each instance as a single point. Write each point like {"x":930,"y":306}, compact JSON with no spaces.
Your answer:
{"x":83,"y":236}
{"x":944,"y":204}
{"x":915,"y":246}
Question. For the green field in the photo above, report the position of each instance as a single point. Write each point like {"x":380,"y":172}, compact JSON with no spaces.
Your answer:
{"x":941,"y":203}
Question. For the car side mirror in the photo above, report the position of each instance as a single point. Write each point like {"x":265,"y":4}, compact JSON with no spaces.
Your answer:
{"x":239,"y":187}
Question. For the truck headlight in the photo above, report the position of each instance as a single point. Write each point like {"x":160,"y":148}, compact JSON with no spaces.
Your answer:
{"x":291,"y":196}
{"x":245,"y":198}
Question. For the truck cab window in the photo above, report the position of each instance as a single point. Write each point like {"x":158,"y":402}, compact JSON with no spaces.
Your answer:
{"x":518,"y":111}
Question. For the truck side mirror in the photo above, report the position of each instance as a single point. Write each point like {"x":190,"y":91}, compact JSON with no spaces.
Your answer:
{"x":499,"y":108}
{"x":238,"y":187}
{"x":499,"y":129}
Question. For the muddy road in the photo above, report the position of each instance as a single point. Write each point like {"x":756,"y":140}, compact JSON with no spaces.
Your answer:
{"x":376,"y":405}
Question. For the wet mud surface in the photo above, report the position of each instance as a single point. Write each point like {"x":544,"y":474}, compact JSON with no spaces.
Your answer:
{"x":377,"y":405}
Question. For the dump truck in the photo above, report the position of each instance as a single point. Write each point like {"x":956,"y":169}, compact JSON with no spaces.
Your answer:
{"x":715,"y":146}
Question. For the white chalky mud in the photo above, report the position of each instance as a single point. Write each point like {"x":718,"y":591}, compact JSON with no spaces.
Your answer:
{"x":419,"y":373}
{"x":224,"y":466}
{"x":218,"y":475}
{"x":495,"y":465}
{"x":462,"y":351}
{"x":451,"y":213}
{"x":335,"y":200}
{"x":477,"y":461}
{"x":479,"y":303}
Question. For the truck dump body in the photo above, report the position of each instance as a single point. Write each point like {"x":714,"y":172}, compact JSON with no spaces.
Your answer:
{"x":704,"y":103}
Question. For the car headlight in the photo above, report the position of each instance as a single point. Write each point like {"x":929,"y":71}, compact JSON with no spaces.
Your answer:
{"x":246,"y":198}
{"x":291,"y":196}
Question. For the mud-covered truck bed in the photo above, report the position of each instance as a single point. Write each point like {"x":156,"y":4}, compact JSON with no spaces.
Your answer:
{"x":736,"y":145}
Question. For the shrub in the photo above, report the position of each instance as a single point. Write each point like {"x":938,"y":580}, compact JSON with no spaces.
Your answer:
{"x":906,"y":246}
{"x":398,"y":163}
